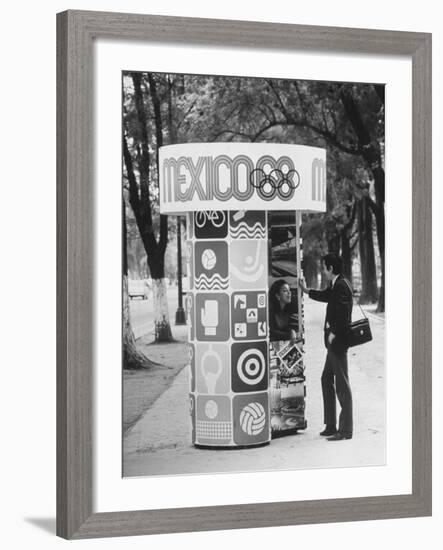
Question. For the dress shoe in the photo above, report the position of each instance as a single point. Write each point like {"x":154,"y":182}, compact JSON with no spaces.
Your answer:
{"x":339,"y":437}
{"x":329,"y":430}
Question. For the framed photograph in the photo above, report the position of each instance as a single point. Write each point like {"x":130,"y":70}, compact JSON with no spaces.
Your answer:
{"x":218,"y":183}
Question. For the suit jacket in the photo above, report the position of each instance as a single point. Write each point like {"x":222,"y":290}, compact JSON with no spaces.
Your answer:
{"x":338,"y":312}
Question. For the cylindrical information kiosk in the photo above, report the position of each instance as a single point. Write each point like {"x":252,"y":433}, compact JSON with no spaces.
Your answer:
{"x":226,"y":190}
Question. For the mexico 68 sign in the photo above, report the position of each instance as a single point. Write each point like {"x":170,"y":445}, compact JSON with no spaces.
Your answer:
{"x":242,"y":176}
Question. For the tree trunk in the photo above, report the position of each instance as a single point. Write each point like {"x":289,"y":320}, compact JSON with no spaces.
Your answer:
{"x":366,"y":249}
{"x":371,"y":153}
{"x":381,"y":297}
{"x":379,"y":213}
{"x":162,"y":326}
{"x":346,"y":254}
{"x":323,"y":280}
{"x":334,"y":244}
{"x":171,"y":125}
{"x":132,"y":358}
{"x":310,"y":271}
{"x":141,"y":205}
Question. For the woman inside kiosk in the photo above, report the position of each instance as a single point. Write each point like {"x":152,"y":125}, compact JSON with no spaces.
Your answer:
{"x":283,"y":318}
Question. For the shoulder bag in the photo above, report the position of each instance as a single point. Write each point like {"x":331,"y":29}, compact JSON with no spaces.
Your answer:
{"x":359,"y":331}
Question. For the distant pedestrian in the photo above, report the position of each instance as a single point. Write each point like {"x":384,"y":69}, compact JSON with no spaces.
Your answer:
{"x":335,"y":379}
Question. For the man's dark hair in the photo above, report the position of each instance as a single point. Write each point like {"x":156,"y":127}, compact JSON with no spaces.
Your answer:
{"x":335,"y":261}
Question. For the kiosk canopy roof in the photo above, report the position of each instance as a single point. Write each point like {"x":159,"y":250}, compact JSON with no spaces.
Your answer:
{"x":241,"y":176}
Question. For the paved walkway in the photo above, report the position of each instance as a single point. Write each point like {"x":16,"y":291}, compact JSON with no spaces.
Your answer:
{"x":159,"y":443}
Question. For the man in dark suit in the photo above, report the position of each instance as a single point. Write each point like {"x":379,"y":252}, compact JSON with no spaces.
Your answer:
{"x":335,"y":380}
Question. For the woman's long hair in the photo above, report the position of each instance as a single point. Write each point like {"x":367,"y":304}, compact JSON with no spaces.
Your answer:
{"x":275,"y":289}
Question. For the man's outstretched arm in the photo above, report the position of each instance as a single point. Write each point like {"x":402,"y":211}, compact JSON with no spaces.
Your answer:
{"x":317,"y":295}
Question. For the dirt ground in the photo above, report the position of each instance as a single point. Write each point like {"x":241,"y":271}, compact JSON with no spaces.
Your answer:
{"x":143,"y":387}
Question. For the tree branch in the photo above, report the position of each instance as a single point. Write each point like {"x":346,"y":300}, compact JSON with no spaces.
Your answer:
{"x":303,"y":122}
{"x":157,"y":114}
{"x":143,"y":150}
{"x":232,"y":132}
{"x":283,"y":108}
{"x":185,"y":115}
{"x":134,"y":197}
{"x":380,"y":91}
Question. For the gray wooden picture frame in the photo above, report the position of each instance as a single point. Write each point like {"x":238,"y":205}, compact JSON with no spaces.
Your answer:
{"x":76,"y":32}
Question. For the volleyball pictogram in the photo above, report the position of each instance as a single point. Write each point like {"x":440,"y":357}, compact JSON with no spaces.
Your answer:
{"x":209,"y":259}
{"x":253,"y":418}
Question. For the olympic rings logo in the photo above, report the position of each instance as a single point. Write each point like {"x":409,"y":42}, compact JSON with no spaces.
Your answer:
{"x":276,"y":182}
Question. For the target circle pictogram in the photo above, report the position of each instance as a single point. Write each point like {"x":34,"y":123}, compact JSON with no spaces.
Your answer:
{"x":251,"y":366}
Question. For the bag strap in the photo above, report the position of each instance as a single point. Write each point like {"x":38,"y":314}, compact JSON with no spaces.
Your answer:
{"x":350,"y":288}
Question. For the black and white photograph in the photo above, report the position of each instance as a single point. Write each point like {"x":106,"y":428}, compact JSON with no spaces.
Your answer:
{"x":253,"y":274}
{"x":221,"y":299}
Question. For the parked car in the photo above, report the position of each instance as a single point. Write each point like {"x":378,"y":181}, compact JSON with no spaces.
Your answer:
{"x":138,"y":288}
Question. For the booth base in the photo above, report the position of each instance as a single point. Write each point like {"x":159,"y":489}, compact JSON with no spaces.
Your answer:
{"x":228,"y":447}
{"x":276,"y":435}
{"x":283,"y":433}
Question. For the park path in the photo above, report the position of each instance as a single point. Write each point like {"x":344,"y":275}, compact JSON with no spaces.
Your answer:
{"x":159,"y":443}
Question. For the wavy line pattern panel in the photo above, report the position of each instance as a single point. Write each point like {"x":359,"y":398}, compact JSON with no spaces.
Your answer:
{"x":211,"y":265}
{"x":247,"y":224}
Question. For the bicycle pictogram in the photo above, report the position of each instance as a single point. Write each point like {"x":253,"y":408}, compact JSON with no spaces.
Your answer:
{"x":216,"y":217}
